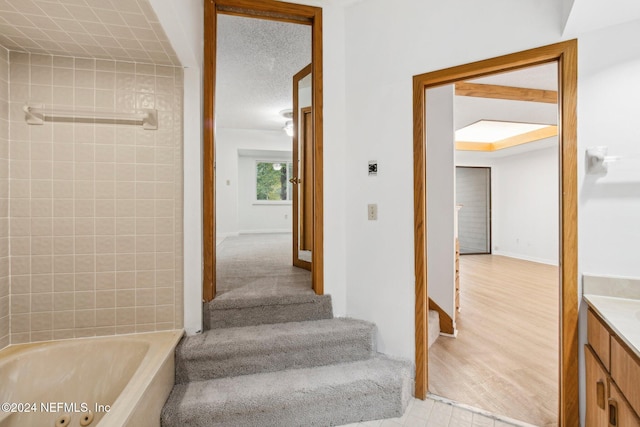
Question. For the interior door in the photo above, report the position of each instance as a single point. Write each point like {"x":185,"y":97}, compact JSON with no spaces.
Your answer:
{"x":302,"y":180}
{"x":473,"y":194}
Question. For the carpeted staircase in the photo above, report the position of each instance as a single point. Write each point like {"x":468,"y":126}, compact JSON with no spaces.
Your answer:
{"x":284,"y":362}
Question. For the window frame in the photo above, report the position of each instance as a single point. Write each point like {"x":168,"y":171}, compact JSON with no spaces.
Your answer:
{"x":256,"y":201}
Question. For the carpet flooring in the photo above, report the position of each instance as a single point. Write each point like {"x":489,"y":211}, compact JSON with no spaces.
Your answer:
{"x":258,"y":265}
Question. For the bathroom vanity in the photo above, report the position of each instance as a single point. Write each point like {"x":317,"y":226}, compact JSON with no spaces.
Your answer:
{"x":612,"y":357}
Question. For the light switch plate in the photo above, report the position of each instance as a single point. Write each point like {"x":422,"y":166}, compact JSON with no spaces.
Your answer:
{"x":372,"y":210}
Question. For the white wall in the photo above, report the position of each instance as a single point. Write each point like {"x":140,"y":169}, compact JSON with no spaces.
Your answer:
{"x":335,"y":151}
{"x":228,"y":174}
{"x":609,"y":206}
{"x":370,"y":55}
{"x":385,"y":47}
{"x":525,"y":206}
{"x":590,"y":15}
{"x":381,"y":60}
{"x":260,"y":217}
{"x":524,"y":201}
{"x":441,"y":197}
{"x":184,"y":25}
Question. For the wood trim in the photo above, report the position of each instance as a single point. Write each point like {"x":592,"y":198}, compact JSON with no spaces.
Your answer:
{"x":523,"y":138}
{"x":307,"y":114}
{"x":317,"y":255}
{"x":307,"y":211}
{"x":474,"y":146}
{"x":495,"y":65}
{"x":568,"y":121}
{"x":420,"y":239}
{"x":480,"y":90}
{"x":565,"y":53}
{"x":237,"y":11}
{"x":268,"y":9}
{"x":279,"y":11}
{"x":295,"y":154}
{"x":208,"y":155}
{"x":446,"y":322}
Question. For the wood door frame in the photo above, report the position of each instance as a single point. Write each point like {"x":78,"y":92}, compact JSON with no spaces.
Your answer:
{"x":565,"y":53}
{"x":278,"y":11}
{"x":296,"y":200}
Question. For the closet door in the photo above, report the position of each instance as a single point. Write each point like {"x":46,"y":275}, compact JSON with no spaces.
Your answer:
{"x":473,"y":192}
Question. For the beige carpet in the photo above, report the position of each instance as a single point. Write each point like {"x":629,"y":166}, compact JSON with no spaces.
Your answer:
{"x":255,"y":265}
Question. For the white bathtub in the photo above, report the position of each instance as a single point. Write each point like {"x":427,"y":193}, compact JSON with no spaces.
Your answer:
{"x":122,"y":380}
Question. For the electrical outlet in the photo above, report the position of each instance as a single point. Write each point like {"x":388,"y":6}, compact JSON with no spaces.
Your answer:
{"x":372,"y":210}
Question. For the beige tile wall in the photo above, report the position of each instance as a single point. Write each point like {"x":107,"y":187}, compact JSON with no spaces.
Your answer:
{"x":4,"y":198}
{"x":95,"y":207}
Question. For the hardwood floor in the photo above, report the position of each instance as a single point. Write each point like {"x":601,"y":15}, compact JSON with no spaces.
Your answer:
{"x":505,"y":358}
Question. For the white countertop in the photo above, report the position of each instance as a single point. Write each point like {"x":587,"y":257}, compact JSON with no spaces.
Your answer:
{"x":622,"y":315}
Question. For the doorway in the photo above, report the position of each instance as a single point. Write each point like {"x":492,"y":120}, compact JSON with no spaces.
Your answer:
{"x":473,"y":204}
{"x":274,"y":11}
{"x":565,"y":54}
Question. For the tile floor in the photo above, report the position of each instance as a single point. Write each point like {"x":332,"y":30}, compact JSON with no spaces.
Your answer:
{"x":438,"y":412}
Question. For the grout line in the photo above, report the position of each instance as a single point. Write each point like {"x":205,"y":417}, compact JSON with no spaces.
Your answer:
{"x":479,"y":411}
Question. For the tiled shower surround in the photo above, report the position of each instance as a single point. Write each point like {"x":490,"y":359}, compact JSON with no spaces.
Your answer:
{"x":95,"y":207}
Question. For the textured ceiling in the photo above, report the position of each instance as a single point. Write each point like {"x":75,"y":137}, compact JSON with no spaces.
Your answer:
{"x":256,"y":62}
{"x":126,"y":30}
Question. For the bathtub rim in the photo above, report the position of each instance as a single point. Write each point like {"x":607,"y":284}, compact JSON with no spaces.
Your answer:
{"x":161,"y":347}
{"x":13,"y":349}
{"x":141,"y":380}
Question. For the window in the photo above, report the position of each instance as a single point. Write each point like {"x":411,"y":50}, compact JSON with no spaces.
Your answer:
{"x":272,"y":181}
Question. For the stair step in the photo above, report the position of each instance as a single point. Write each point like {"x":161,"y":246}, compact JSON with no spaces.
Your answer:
{"x":230,"y":313}
{"x":219,"y":353}
{"x":332,"y":395}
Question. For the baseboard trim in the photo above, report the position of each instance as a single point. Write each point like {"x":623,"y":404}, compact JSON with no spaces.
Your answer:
{"x":266,"y":231}
{"x":225,"y":235}
{"x":453,"y":335}
{"x":526,"y":258}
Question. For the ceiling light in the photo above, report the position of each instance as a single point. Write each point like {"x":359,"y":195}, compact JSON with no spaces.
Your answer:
{"x":277,"y":166}
{"x":287,"y":113}
{"x":489,"y":135}
{"x":288,"y":127}
{"x":488,"y":131}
